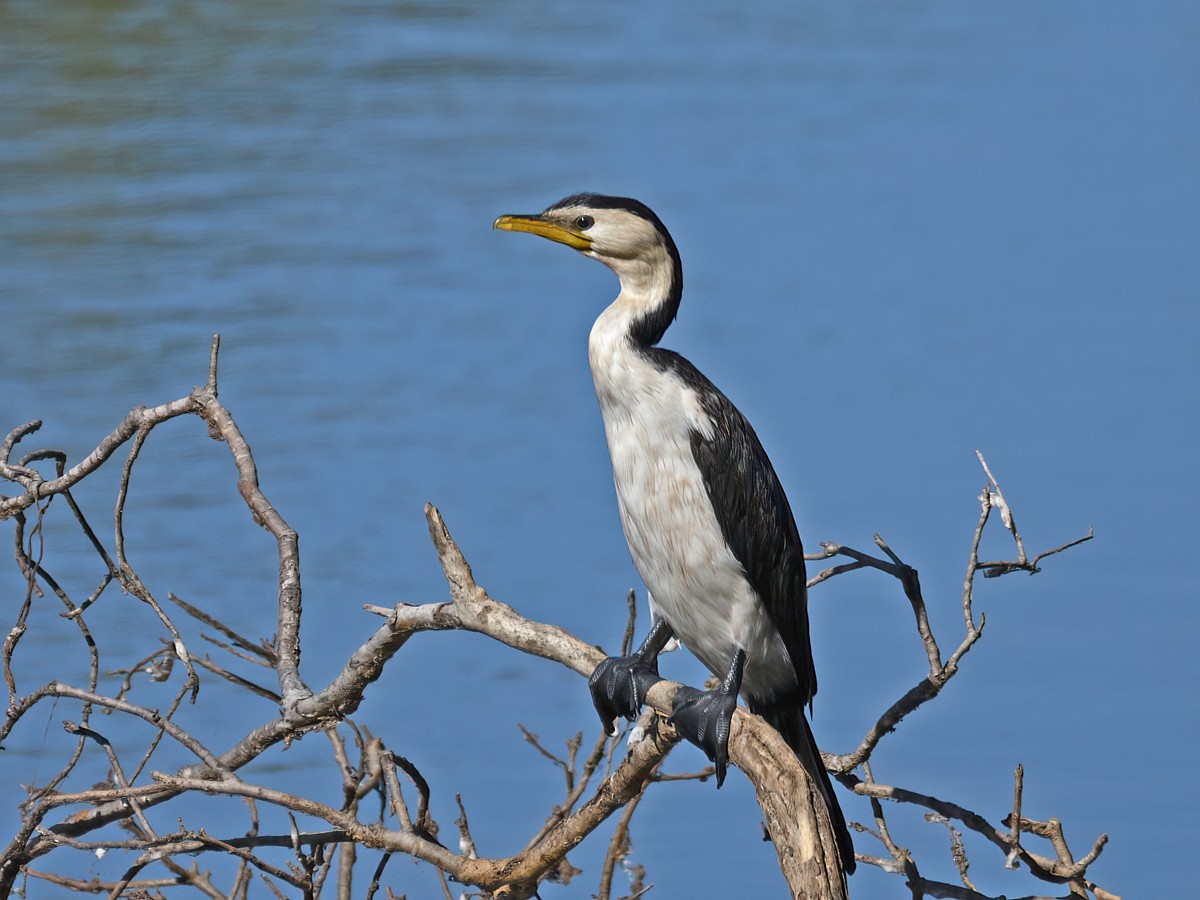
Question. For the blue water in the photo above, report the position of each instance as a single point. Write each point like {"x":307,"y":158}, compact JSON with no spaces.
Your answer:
{"x":909,"y":231}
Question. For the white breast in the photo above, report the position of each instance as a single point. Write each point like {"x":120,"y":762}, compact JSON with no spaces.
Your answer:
{"x":696,"y":583}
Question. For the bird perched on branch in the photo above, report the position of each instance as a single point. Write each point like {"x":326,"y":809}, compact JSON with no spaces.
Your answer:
{"x":707,"y":522}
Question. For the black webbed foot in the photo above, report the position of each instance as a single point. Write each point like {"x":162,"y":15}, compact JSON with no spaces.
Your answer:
{"x":619,"y":686}
{"x":705,"y":717}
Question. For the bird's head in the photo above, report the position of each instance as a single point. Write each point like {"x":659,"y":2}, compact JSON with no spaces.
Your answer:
{"x":626,"y":236}
{"x":622,"y":233}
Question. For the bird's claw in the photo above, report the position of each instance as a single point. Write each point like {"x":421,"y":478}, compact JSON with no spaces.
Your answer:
{"x":704,"y":718}
{"x":619,"y":686}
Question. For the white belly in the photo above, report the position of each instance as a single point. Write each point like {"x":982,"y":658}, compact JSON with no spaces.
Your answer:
{"x":696,"y":583}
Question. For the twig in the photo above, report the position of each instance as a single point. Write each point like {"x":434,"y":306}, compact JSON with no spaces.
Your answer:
{"x":1040,"y":866}
{"x":1006,"y":513}
{"x":466,"y":843}
{"x":129,"y":578}
{"x":1015,"y":819}
{"x":117,"y":773}
{"x":957,"y":851}
{"x":266,"y":656}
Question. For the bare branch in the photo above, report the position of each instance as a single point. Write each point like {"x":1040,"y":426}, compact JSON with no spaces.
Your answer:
{"x":37,"y":489}
{"x":118,"y":773}
{"x":222,"y":427}
{"x":1006,"y":513}
{"x":1014,"y":837}
{"x":265,"y":654}
{"x":792,"y":808}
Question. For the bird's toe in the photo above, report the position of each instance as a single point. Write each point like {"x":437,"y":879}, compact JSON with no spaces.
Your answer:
{"x":704,"y":719}
{"x":619,"y":686}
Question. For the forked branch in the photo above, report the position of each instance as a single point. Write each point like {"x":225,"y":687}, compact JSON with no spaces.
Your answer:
{"x":374,"y":777}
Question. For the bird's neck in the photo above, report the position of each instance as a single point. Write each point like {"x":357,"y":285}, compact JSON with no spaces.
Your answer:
{"x":620,"y":344}
{"x":651,"y":288}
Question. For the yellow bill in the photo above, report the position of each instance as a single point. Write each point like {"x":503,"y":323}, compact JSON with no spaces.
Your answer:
{"x":545,"y":227}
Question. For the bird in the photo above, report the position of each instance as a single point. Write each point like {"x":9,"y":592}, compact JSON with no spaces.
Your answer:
{"x":707,"y":521}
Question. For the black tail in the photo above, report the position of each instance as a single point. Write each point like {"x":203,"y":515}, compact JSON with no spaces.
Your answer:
{"x":790,"y":722}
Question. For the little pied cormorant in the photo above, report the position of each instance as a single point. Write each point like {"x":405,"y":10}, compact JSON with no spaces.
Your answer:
{"x":707,"y":521}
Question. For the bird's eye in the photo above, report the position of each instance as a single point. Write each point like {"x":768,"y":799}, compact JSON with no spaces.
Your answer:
{"x":583,"y":223}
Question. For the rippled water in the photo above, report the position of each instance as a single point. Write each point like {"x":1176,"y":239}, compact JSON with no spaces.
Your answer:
{"x":909,"y":230}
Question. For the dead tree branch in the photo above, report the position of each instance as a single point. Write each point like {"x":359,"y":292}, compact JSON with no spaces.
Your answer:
{"x":598,"y":784}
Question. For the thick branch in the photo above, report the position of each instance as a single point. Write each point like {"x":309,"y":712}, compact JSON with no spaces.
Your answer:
{"x":795,"y":812}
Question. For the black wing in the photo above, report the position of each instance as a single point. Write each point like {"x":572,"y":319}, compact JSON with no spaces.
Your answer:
{"x":755,"y":517}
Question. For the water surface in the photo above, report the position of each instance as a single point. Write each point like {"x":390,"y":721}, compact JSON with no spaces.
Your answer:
{"x":909,"y":231}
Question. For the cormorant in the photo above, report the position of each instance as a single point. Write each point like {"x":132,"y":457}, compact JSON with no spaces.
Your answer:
{"x":707,"y":521}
